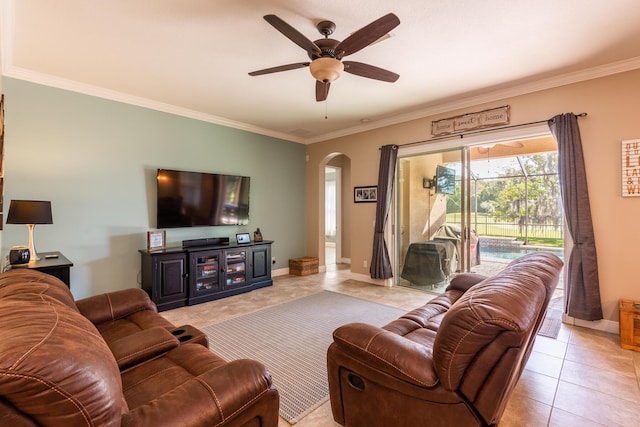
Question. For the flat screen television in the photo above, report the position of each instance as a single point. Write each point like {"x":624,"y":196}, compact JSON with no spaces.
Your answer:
{"x":194,"y":199}
{"x":445,"y":180}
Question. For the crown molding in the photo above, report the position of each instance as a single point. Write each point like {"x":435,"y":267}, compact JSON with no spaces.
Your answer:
{"x":491,"y":96}
{"x":74,"y":86}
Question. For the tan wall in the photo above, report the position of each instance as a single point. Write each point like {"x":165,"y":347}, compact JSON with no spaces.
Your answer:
{"x":421,"y":210}
{"x":613,"y":106}
{"x":427,"y":209}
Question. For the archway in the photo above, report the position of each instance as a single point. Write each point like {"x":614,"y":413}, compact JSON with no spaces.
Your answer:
{"x":334,"y":241}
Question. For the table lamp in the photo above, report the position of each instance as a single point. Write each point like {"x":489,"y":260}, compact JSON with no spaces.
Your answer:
{"x":30,"y":213}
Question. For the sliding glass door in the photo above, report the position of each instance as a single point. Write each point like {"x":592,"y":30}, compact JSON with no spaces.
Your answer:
{"x":434,"y":239}
{"x":503,"y":192}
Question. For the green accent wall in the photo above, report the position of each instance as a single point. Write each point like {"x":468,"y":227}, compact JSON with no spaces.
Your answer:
{"x":96,"y":161}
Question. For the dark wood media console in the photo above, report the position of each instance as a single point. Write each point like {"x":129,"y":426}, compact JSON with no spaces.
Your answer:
{"x":176,"y":277}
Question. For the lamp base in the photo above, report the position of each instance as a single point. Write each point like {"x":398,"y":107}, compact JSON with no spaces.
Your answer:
{"x":33,"y":255}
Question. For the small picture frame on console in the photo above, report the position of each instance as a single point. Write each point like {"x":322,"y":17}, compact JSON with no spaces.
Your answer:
{"x":156,"y":240}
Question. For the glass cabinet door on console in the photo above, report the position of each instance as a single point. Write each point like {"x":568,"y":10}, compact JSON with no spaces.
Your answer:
{"x":205,"y":276}
{"x":236,"y":268}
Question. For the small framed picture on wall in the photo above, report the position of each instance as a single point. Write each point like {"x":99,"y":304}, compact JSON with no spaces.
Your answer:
{"x":365,"y":194}
{"x":156,"y":240}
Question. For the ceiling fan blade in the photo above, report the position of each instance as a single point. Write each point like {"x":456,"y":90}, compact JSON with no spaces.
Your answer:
{"x":367,"y":35}
{"x":322,"y":90}
{"x":279,"y":68}
{"x":369,"y":71}
{"x":292,"y":34}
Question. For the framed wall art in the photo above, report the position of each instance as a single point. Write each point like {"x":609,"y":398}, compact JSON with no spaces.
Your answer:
{"x":365,"y":194}
{"x":631,"y":168}
{"x":156,"y":240}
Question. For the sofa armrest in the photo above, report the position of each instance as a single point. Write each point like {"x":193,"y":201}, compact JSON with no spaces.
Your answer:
{"x":463,"y":281}
{"x":387,"y":352}
{"x":115,"y":305}
{"x":141,"y":346}
{"x":213,"y":398}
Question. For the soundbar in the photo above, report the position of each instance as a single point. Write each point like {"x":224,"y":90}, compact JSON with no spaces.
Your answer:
{"x":209,"y":241}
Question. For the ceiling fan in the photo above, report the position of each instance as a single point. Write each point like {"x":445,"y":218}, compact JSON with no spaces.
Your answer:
{"x":326,"y":54}
{"x":484,"y":149}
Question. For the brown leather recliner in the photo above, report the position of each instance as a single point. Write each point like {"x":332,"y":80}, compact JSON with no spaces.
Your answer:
{"x":452,"y":362}
{"x":57,"y":369}
{"x":127,"y":320}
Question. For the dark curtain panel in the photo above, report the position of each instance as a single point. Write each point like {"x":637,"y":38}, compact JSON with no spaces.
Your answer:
{"x":582,"y":296}
{"x":380,"y":264}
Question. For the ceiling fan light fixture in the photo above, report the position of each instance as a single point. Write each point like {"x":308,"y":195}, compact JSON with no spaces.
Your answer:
{"x":326,"y":69}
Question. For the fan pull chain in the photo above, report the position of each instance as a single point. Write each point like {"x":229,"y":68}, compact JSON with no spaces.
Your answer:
{"x":326,"y":109}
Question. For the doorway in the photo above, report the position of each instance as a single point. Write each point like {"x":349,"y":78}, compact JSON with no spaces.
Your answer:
{"x":332,"y":215}
{"x":475,"y":208}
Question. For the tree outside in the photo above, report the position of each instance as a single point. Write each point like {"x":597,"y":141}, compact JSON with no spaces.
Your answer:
{"x":522,"y":201}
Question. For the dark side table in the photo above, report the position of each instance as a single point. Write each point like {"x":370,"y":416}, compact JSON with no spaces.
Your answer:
{"x":59,"y":267}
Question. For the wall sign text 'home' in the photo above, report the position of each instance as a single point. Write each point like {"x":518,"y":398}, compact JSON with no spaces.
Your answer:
{"x":482,"y":119}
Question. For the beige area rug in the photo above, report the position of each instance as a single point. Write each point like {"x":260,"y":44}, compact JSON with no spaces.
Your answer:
{"x":292,"y":339}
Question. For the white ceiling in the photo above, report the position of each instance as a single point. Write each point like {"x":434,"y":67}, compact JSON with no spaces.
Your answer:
{"x":191,"y":57}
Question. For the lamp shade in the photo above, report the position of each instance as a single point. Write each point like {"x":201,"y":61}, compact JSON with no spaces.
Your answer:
{"x":29,"y":212}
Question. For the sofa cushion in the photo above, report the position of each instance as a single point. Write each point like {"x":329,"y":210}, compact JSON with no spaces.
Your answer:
{"x":141,"y":346}
{"x":463,"y":281}
{"x":123,"y":313}
{"x":55,"y":366}
{"x":115,"y":305}
{"x":115,"y":330}
{"x":193,"y":378}
{"x":26,"y":282}
{"x":421,"y":324}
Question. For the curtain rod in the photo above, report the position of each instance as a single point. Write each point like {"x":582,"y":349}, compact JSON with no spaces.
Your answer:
{"x":462,"y":135}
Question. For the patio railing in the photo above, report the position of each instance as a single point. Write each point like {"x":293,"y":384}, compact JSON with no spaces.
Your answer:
{"x":484,"y":226}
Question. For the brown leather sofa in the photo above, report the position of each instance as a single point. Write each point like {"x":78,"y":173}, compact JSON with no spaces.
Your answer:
{"x":453,"y":361}
{"x":112,"y":360}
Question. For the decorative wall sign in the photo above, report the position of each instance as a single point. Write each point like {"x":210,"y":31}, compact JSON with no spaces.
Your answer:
{"x":482,"y":119}
{"x":631,"y":168}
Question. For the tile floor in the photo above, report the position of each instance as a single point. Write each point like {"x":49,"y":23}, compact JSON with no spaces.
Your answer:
{"x":581,"y":379}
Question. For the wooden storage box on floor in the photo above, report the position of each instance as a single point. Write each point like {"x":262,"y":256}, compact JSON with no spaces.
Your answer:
{"x":303,"y":266}
{"x":629,"y":324}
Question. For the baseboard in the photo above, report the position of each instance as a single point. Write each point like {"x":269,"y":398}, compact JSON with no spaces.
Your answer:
{"x":280,"y":272}
{"x":323,"y":268}
{"x":366,"y":278}
{"x":599,"y":325}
